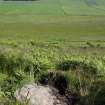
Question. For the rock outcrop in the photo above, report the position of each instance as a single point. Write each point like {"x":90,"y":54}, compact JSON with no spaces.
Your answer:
{"x":34,"y":94}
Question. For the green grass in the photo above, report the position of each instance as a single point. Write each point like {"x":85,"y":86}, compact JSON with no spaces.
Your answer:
{"x":54,"y":7}
{"x":62,"y":26}
{"x":52,"y":28}
{"x":53,"y":20}
{"x":37,"y":36}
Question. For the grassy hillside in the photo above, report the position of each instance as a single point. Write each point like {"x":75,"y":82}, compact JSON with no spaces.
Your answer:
{"x":49,"y":20}
{"x":66,"y":35}
{"x":52,"y":28}
{"x":54,"y":7}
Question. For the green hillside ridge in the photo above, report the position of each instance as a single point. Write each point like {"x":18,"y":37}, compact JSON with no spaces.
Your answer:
{"x":54,"y":7}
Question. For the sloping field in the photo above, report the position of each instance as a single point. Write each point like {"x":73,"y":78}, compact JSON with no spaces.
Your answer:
{"x":53,"y":20}
{"x":54,"y":7}
{"x":40,"y":7}
{"x":83,"y":7}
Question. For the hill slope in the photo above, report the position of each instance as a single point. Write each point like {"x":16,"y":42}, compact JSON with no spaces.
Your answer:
{"x":52,"y":20}
{"x":54,"y":7}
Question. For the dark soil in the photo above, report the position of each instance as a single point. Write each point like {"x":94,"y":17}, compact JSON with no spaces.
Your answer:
{"x":64,"y":95}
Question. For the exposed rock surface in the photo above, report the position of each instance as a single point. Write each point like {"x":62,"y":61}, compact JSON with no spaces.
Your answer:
{"x":39,"y":95}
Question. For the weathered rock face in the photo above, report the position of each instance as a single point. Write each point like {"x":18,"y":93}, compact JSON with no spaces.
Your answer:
{"x":38,"y":95}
